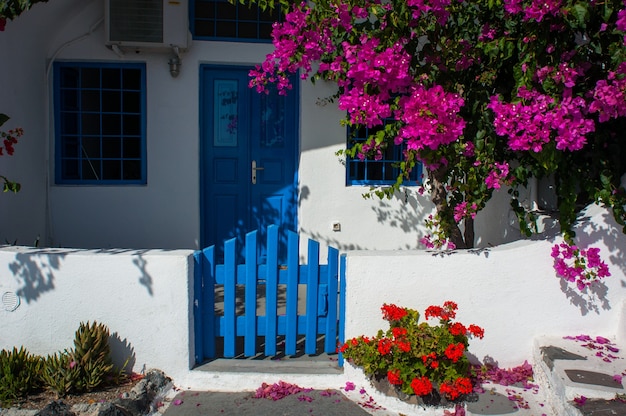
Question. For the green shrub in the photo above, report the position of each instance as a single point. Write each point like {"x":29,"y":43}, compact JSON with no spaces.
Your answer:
{"x":85,"y":367}
{"x":60,"y":374}
{"x":92,"y":355}
{"x":19,"y":375}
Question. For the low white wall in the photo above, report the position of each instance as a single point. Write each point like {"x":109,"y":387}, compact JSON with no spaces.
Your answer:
{"x":511,"y":290}
{"x":144,"y":297}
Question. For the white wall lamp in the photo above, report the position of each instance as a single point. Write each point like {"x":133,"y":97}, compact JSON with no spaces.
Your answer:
{"x":175,"y":62}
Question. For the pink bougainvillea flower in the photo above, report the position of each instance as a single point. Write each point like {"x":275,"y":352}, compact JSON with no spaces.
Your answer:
{"x":580,"y":401}
{"x":177,"y":402}
{"x":349,"y":386}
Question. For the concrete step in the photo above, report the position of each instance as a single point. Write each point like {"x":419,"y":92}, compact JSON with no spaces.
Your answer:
{"x":581,"y":375}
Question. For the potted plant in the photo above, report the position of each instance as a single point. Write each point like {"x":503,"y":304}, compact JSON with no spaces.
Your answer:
{"x":419,"y":362}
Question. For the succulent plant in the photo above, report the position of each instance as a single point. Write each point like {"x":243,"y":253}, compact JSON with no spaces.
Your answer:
{"x":19,"y":374}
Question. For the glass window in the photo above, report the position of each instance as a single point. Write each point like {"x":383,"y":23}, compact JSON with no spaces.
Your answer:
{"x":373,"y":172}
{"x":100,"y":123}
{"x":221,"y":20}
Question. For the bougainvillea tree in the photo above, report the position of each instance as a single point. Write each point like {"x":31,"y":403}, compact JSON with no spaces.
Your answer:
{"x":10,"y":9}
{"x":9,"y":139}
{"x":484,"y":93}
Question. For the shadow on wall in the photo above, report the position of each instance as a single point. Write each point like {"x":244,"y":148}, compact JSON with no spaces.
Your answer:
{"x":122,"y":353}
{"x":34,"y":272}
{"x":593,"y":229}
{"x":408,"y":216}
{"x":145,"y":279}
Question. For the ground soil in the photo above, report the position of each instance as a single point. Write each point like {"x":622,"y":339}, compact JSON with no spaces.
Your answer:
{"x":41,"y":399}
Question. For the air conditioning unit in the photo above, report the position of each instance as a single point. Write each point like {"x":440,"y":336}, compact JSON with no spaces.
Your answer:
{"x":151,"y":24}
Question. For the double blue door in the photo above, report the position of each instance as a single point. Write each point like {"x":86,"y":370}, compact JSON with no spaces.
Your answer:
{"x":249,"y":157}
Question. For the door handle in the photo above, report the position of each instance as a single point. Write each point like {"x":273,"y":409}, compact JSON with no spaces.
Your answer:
{"x":254,"y":169}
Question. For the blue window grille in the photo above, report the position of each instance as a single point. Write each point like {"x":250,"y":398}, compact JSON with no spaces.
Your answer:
{"x":373,"y":172}
{"x":100,"y":123}
{"x":221,"y":20}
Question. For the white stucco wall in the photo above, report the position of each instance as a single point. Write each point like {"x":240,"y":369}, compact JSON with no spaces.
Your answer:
{"x":511,"y":290}
{"x":143,"y":297}
{"x":165,"y":213}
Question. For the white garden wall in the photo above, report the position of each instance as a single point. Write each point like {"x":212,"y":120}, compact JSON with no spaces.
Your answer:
{"x":144,"y":297}
{"x":510,"y":290}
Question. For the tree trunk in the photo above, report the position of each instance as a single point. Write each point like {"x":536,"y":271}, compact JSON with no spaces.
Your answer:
{"x":439,"y":194}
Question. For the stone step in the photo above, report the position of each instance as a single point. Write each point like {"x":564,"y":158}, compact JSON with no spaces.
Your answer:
{"x":581,"y":375}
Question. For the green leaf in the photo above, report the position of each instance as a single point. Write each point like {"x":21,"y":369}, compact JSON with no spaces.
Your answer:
{"x":3,"y":118}
{"x":581,"y":12}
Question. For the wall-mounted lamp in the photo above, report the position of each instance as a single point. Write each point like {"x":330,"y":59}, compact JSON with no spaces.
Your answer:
{"x":175,"y":63}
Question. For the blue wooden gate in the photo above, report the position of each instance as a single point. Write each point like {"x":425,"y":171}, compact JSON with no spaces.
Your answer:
{"x":325,"y":299}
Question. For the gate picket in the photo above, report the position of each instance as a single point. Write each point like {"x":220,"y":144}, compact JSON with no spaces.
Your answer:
{"x":324,"y":308}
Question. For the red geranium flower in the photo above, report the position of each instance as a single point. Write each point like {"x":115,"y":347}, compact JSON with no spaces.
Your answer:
{"x":421,"y":386}
{"x":393,"y":312}
{"x":476,"y":331}
{"x":398,"y":332}
{"x":393,"y":376}
{"x":384,"y":346}
{"x":433,"y":311}
{"x":457,"y":328}
{"x":404,"y":346}
{"x":455,"y":351}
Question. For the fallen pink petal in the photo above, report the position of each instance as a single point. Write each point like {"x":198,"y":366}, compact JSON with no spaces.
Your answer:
{"x":349,"y":386}
{"x":177,"y":402}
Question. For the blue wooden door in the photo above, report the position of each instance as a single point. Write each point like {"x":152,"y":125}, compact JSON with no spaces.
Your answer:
{"x":249,"y":153}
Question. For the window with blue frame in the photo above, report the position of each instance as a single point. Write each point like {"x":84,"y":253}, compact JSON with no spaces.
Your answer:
{"x":100,"y":119}
{"x":221,"y":20}
{"x":373,"y":172}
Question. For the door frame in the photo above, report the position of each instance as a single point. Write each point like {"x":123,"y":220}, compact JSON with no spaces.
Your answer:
{"x":202,"y":124}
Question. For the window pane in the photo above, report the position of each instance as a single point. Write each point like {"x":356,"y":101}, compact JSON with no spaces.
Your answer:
{"x":69,"y":99}
{"x":91,"y":147}
{"x":247,"y":30}
{"x":111,"y":124}
{"x":112,"y":147}
{"x":69,"y":78}
{"x":70,"y":169}
{"x":247,"y":13}
{"x":131,"y":102}
{"x":131,"y":169}
{"x":111,"y":101}
{"x":90,"y":100}
{"x":265,"y":30}
{"x":226,"y":10}
{"x":111,"y":169}
{"x":91,"y":124}
{"x":111,"y":78}
{"x":69,"y":123}
{"x":131,"y":125}
{"x":204,"y":10}
{"x":131,"y":79}
{"x":91,"y":169}
{"x":90,"y":78}
{"x":132,"y":148}
{"x":226,"y":29}
{"x":225,"y":129}
{"x":71,"y":147}
{"x":205,"y":28}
